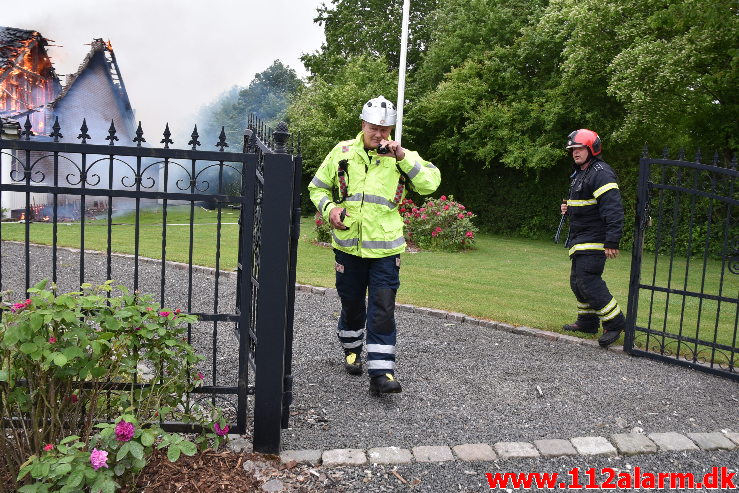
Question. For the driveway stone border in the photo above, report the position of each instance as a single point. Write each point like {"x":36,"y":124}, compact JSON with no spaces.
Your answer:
{"x":623,"y":444}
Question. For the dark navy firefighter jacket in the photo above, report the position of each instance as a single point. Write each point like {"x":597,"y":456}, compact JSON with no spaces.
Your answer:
{"x":595,"y":210}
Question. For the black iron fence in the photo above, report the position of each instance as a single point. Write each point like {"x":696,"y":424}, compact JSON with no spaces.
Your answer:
{"x":168,"y":211}
{"x":684,"y":288}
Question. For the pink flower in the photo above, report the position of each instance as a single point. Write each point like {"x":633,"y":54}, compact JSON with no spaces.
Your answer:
{"x":401,"y":210}
{"x":469,"y":234}
{"x":460,"y":215}
{"x":438,"y":213}
{"x":220,"y":431}
{"x":52,"y":339}
{"x":442,"y":198}
{"x":74,"y":398}
{"x":446,"y":207}
{"x":177,"y":311}
{"x":319,"y":222}
{"x":434,"y":234}
{"x":164,"y":314}
{"x":469,"y":214}
{"x":124,"y":431}
{"x":430,"y":204}
{"x":461,"y":206}
{"x":148,"y":308}
{"x":137,"y":328}
{"x":424,"y":216}
{"x":48,"y":447}
{"x":98,"y":458}
{"x":201,"y":376}
{"x":422,"y":209}
{"x":438,"y":229}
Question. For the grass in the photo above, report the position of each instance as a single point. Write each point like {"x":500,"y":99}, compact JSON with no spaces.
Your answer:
{"x":513,"y":280}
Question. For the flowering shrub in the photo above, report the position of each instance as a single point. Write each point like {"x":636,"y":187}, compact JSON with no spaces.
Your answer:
{"x":323,"y":228}
{"x":49,"y":422}
{"x":438,"y":224}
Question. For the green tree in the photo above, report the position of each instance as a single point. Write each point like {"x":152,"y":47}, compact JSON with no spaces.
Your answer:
{"x":372,"y":28}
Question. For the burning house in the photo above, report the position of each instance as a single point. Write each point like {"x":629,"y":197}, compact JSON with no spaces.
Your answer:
{"x":29,"y":87}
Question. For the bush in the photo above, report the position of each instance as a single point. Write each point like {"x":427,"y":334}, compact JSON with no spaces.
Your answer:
{"x":438,"y":224}
{"x":323,"y":228}
{"x":59,"y":355}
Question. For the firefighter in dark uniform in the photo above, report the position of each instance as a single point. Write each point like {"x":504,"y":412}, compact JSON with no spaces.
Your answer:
{"x":596,"y":226}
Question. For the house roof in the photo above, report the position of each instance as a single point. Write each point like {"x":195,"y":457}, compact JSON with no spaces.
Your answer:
{"x":14,"y":43}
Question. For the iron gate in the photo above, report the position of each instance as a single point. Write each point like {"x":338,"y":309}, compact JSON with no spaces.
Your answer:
{"x":88,"y":186}
{"x":684,"y":286}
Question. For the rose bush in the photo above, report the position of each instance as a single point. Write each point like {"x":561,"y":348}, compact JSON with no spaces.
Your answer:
{"x":322,"y":227}
{"x":69,"y":361}
{"x":438,"y":224}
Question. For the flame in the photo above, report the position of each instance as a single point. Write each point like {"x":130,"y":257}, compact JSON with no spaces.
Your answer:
{"x":109,"y":45}
{"x":30,"y":83}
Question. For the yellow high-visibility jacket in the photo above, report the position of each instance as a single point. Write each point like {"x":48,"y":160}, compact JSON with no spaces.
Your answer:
{"x":375,"y":227}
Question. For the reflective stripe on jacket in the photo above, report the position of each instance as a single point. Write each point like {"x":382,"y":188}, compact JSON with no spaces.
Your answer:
{"x":375,"y":227}
{"x":595,"y":210}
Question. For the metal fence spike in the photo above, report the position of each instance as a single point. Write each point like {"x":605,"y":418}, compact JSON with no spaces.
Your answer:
{"x":111,"y":133}
{"x":83,"y":132}
{"x":56,"y":130}
{"x":28,"y":133}
{"x":167,"y":134}
{"x":139,"y":136}
{"x":194,"y":142}
{"x":222,"y":139}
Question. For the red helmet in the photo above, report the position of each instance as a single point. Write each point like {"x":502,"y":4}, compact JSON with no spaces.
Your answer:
{"x":584,"y":138}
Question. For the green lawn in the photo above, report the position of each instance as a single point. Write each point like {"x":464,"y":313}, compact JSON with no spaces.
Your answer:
{"x":513,"y":280}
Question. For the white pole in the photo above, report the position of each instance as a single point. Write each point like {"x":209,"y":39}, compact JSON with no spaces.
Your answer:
{"x":401,"y":70}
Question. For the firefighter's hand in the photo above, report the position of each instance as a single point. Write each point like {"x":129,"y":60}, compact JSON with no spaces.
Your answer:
{"x":394,"y":148}
{"x":334,"y":217}
{"x":563,"y":207}
{"x":611,"y":252}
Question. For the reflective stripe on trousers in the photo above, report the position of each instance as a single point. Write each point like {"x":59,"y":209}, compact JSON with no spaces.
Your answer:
{"x":596,"y":305}
{"x":379,"y":280}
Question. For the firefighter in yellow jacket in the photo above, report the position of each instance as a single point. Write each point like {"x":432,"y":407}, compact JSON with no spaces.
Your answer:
{"x":357,"y":189}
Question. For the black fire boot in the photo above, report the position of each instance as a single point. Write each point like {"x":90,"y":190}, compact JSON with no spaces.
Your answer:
{"x":575,"y":327}
{"x":609,"y":337}
{"x":384,"y":384}
{"x":352,"y":363}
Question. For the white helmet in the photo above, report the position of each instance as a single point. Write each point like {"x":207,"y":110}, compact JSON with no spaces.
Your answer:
{"x":379,"y":111}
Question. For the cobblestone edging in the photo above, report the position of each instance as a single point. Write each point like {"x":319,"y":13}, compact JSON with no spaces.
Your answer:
{"x":623,"y":444}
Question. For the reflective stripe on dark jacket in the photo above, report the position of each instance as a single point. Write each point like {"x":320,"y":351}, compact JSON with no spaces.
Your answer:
{"x":595,"y":209}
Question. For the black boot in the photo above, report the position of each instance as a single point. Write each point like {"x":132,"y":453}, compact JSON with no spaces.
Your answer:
{"x":352,"y":363}
{"x":609,"y":337}
{"x":385,"y":384}
{"x":575,"y":327}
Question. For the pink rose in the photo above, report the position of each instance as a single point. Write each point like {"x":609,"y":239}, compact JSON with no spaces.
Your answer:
{"x":52,"y":339}
{"x":460,"y":215}
{"x":469,"y":234}
{"x":442,"y":198}
{"x":48,"y":447}
{"x":220,"y":431}
{"x":124,"y":431}
{"x":98,"y":458}
{"x":164,"y":314}
{"x":446,"y":207}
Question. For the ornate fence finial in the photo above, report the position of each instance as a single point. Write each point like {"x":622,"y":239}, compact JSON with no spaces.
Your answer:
{"x":645,"y":151}
{"x":167,"y":134}
{"x":698,"y":155}
{"x":281,"y":136}
{"x":27,"y":126}
{"x":111,"y":133}
{"x":83,"y":132}
{"x":56,"y":130}
{"x":222,"y":139}
{"x":681,"y":154}
{"x":665,"y":152}
{"x":139,"y":136}
{"x":715,"y":158}
{"x":194,"y":142}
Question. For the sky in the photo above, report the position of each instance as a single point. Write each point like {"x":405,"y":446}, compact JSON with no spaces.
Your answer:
{"x":174,"y":55}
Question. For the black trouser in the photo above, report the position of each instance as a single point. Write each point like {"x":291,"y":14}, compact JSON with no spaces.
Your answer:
{"x":596,"y":305}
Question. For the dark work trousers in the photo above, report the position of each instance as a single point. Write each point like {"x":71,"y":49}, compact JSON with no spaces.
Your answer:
{"x":595,"y":303}
{"x":379,"y":279}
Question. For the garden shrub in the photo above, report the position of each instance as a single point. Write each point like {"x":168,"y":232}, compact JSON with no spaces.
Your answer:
{"x":63,"y":426}
{"x":438,"y":224}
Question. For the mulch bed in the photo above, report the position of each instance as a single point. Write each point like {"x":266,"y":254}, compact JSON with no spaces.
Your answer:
{"x":208,"y":471}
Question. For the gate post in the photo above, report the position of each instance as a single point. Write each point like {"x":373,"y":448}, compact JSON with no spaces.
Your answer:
{"x":273,"y":302}
{"x":641,"y":219}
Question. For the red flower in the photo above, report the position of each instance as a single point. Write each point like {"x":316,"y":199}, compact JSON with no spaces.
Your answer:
{"x":438,"y":229}
{"x":164,"y":314}
{"x":74,"y":398}
{"x":201,"y":376}
{"x":460,"y":215}
{"x":442,"y":198}
{"x":446,"y":207}
{"x":469,"y":214}
{"x":430,"y":204}
{"x":434,"y":234}
{"x":461,"y":206}
{"x":469,"y":234}
{"x":52,"y":339}
{"x":48,"y":447}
